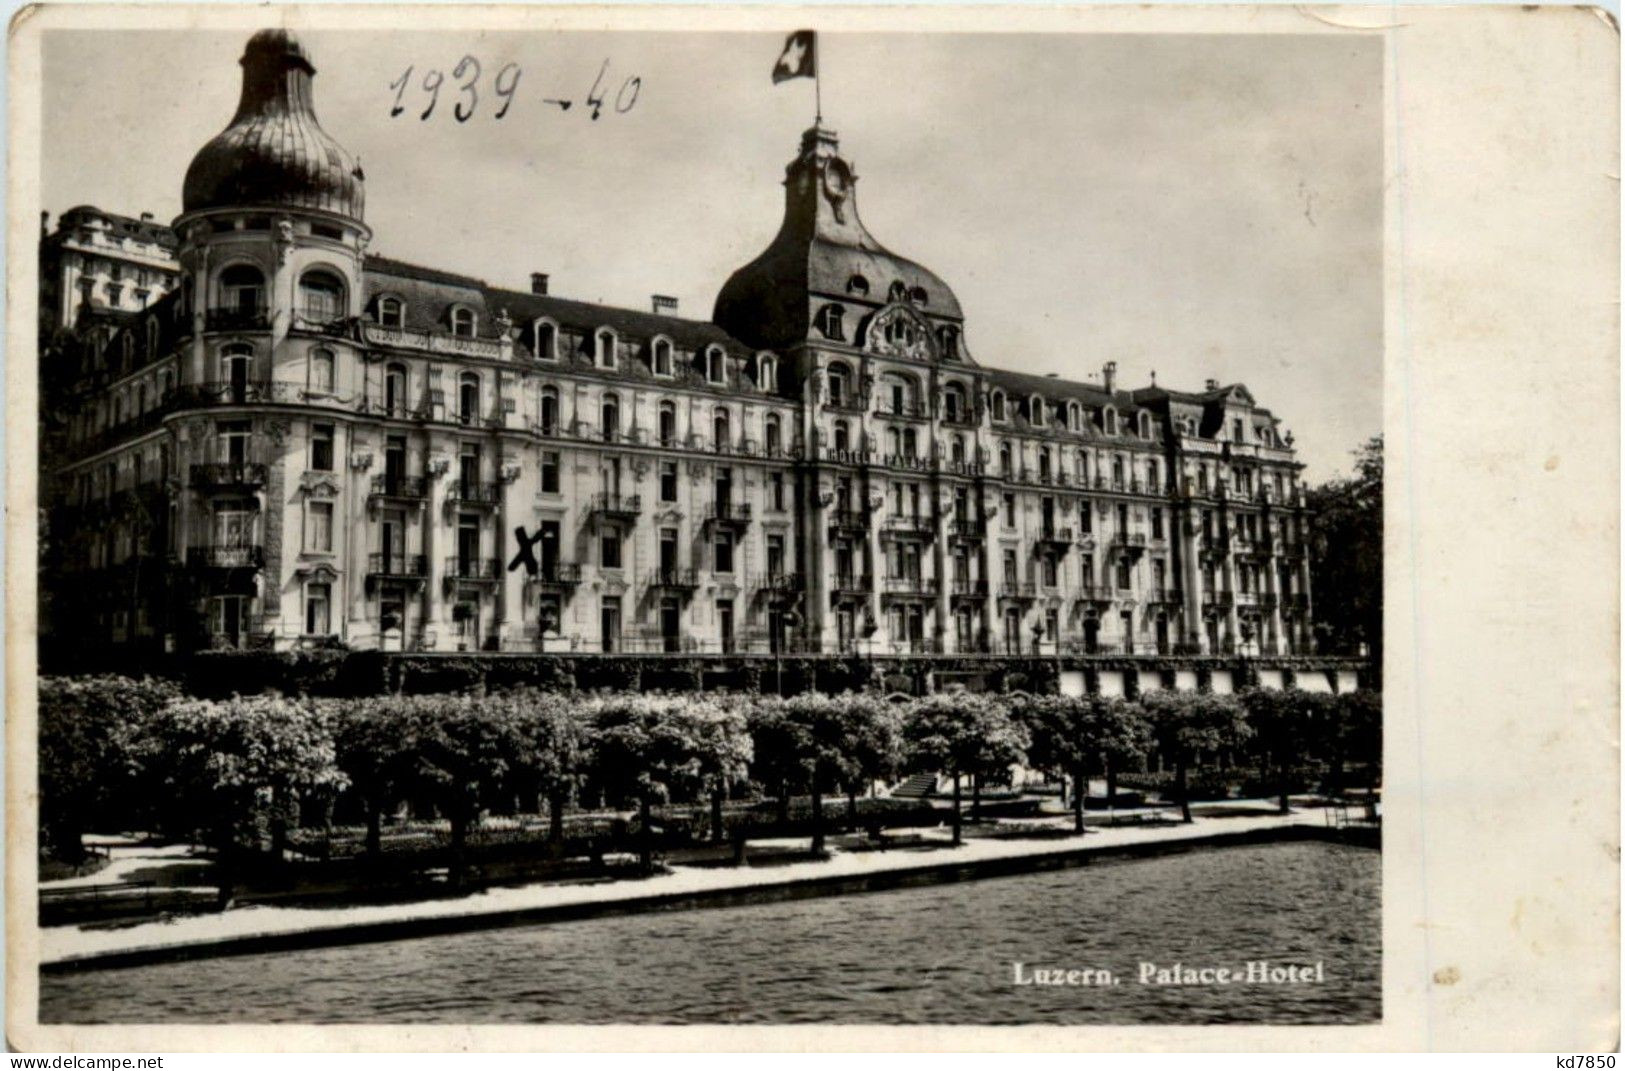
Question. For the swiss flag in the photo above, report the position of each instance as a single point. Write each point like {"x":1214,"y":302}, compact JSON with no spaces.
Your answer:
{"x":799,"y":58}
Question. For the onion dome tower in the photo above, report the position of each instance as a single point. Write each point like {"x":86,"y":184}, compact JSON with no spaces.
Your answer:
{"x":825,"y":278}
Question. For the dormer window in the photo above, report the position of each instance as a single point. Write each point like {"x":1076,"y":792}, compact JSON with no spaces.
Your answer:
{"x":948,"y":342}
{"x":715,"y":370}
{"x":1035,"y":410}
{"x":661,"y":360}
{"x":321,"y":296}
{"x":828,"y":322}
{"x":391,"y":312}
{"x":898,"y":293}
{"x":1074,"y":416}
{"x":919,"y":296}
{"x":1145,"y":425}
{"x":767,"y":372}
{"x":996,"y":404}
{"x":858,"y":285}
{"x":604,"y":348}
{"x":462,"y":321}
{"x":1110,"y":419}
{"x":545,"y":340}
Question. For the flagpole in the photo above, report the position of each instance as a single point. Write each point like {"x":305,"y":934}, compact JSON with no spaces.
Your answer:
{"x":818,"y":85}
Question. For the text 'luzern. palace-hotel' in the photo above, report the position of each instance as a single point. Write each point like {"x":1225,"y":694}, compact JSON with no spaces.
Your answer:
{"x":271,"y":437}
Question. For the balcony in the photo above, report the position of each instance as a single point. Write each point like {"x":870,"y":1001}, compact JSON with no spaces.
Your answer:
{"x":852,"y":584}
{"x":1165,"y":597}
{"x":913,"y":526}
{"x":1133,"y":542}
{"x":216,"y":556}
{"x":909,"y":585}
{"x":228,"y":475}
{"x":236,"y":319}
{"x":727,"y":513}
{"x":966,"y":530}
{"x":850,"y":403}
{"x":778,"y":583}
{"x":849,"y":520}
{"x":609,"y":504}
{"x":681,"y":580}
{"x":906,"y":410}
{"x":959,"y":417}
{"x":1018,"y":589}
{"x":965,"y":588}
{"x":408,"y":567}
{"x":1219,"y":600}
{"x":557,"y":576}
{"x":473,"y":570}
{"x":1094,"y":595}
{"x":1058,"y":539}
{"x":473,"y":494}
{"x":400,"y":488}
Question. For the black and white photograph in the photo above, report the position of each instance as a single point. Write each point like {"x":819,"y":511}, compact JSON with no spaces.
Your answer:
{"x":797,"y":525}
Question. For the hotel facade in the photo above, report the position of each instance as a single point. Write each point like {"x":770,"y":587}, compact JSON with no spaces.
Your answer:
{"x":285,"y":440}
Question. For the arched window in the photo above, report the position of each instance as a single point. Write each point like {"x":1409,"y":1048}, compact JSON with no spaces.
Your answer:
{"x":126,"y":351}
{"x":1111,"y":421}
{"x":395,"y":390}
{"x":897,"y":293}
{"x":720,"y":429}
{"x":1006,"y":461}
{"x":714,"y":369}
{"x":545,"y":340}
{"x":919,"y":296}
{"x":604,"y":348}
{"x":842,"y":437}
{"x":321,"y":370}
{"x":839,"y":384}
{"x":666,"y":424}
{"x":1035,"y":410}
{"x":152,"y":336}
{"x":1145,"y":425}
{"x":321,"y":296}
{"x":462,"y":321}
{"x":610,"y":417}
{"x":997,"y":405}
{"x":948,"y":342}
{"x":235,"y":362}
{"x":772,"y":435}
{"x":242,"y":289}
{"x":468,"y":397}
{"x":767,"y":373}
{"x":829,"y":322}
{"x":391,"y":312}
{"x":1074,"y":416}
{"x":662,"y":357}
{"x":550,"y":411}
{"x":857,"y":284}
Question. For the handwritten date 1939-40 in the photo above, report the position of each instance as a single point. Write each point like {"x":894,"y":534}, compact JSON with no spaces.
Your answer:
{"x":466,"y":83}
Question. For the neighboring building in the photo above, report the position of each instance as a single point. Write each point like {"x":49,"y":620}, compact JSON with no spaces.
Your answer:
{"x":305,"y":442}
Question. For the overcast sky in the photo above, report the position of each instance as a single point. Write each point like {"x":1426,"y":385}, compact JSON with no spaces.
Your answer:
{"x":1193,"y":206}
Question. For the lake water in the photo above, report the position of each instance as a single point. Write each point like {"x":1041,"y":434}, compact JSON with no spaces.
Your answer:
{"x":939,"y":954}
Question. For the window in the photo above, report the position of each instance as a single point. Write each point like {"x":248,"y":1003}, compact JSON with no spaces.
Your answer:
{"x":837,"y":384}
{"x":1010,"y":575}
{"x":604,"y":348}
{"x":857,"y":284}
{"x":550,"y":472}
{"x":609,"y":548}
{"x":1050,"y":572}
{"x":395,"y":389}
{"x":462,"y":321}
{"x":546,"y":335}
{"x":468,"y":397}
{"x":724,"y":550}
{"x":318,"y":599}
{"x":321,"y":296}
{"x":957,"y":450}
{"x":609,"y":621}
{"x":725,"y":624}
{"x":1009,"y":510}
{"x":772,"y":436}
{"x":1123,"y":576}
{"x":720,"y":429}
{"x":1035,"y":410}
{"x":321,"y":447}
{"x":775,"y":488}
{"x":662,"y":357}
{"x":1145,"y":425}
{"x":997,"y":405}
{"x":1151,"y":475}
{"x":391,"y":312}
{"x":1111,"y":421}
{"x":1006,"y":462}
{"x":242,"y":288}
{"x":948,"y":342}
{"x":152,"y":337}
{"x":1235,"y":431}
{"x":321,"y":370}
{"x":775,"y":555}
{"x":897,"y":293}
{"x":610,"y":417}
{"x":550,"y":411}
{"x":767,"y":373}
{"x":668,"y":481}
{"x":828,"y":322}
{"x":714,"y":368}
{"x":1156,"y":522}
{"x":666,"y":424}
{"x":319,"y":527}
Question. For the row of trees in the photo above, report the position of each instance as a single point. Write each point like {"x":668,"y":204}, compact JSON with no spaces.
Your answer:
{"x":240,"y":772}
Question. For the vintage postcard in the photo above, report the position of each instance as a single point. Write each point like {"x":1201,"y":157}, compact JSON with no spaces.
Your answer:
{"x":835,"y":527}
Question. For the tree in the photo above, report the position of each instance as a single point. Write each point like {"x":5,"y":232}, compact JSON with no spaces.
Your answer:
{"x":88,"y":731}
{"x":778,"y":744}
{"x":552,"y":739}
{"x":1345,"y":556}
{"x":872,"y":730}
{"x":1290,"y":728}
{"x":370,"y":746}
{"x":242,"y":765}
{"x":1189,"y":725}
{"x":1071,"y":733}
{"x":963,"y":734}
{"x":1358,"y":736}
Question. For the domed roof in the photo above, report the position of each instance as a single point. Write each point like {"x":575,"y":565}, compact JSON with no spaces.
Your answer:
{"x":822,"y":250}
{"x":274,"y":152}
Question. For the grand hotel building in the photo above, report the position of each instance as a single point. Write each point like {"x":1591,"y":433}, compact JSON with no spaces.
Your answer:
{"x":287,"y":440}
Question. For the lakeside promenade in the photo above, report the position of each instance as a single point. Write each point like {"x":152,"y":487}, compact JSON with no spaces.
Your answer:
{"x":259,"y":929}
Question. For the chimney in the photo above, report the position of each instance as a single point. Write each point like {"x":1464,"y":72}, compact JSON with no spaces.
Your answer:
{"x":538,"y":282}
{"x":1212,"y":384}
{"x":1110,"y":372}
{"x":663,"y":303}
{"x":146,"y":217}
